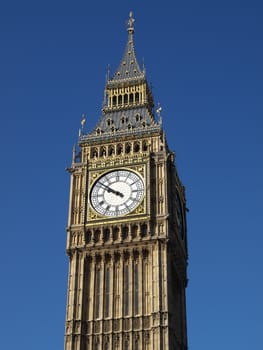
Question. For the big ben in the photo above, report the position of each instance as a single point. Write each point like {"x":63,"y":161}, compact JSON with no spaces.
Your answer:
{"x":126,"y":233}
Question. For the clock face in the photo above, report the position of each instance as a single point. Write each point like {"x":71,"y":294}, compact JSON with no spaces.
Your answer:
{"x":117,"y":193}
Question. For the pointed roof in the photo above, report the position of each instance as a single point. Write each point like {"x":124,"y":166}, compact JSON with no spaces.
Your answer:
{"x":129,"y":67}
{"x":118,"y":120}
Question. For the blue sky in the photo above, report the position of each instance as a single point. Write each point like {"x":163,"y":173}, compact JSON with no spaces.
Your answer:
{"x":204,"y":60}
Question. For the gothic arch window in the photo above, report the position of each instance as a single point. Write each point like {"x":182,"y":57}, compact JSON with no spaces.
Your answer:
{"x":144,"y":146}
{"x":106,"y":234}
{"x":119,"y":148}
{"x":125,"y":232}
{"x":111,"y":150}
{"x":102,"y":151}
{"x":109,"y":121}
{"x":114,"y":100}
{"x":131,"y":98}
{"x":128,"y":148}
{"x":134,"y":231}
{"x":137,"y":97}
{"x":98,"y":131}
{"x":88,"y":236}
{"x":119,"y":99}
{"x":94,"y":152}
{"x":97,"y":236}
{"x":144,"y":230}
{"x":116,"y":232}
{"x":125,"y":99}
{"x":123,"y":119}
{"x":137,"y":117}
{"x":136,"y":147}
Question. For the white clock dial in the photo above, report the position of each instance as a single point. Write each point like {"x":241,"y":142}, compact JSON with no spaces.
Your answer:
{"x":117,"y":193}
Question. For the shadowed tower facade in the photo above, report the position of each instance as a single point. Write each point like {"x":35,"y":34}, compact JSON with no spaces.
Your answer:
{"x":126,"y":234}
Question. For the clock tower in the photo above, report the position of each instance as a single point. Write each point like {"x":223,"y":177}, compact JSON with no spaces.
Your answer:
{"x":126,"y":234}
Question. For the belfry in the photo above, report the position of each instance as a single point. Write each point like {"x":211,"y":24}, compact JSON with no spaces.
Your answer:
{"x":126,"y":233}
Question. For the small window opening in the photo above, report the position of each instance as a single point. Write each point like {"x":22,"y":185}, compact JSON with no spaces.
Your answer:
{"x":136,"y":147}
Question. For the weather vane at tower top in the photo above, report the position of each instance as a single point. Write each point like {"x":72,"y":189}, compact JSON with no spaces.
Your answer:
{"x":130,"y":23}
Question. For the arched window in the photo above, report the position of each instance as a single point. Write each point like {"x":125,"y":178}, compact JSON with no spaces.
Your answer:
{"x":144,"y":230}
{"x":102,"y":151}
{"x":88,"y":236}
{"x":131,"y":98}
{"x":137,"y":97}
{"x":119,"y":148}
{"x":125,"y":99}
{"x":128,"y":148}
{"x":136,"y":147}
{"x":94,"y":152}
{"x":119,"y":99}
{"x":116,"y":232}
{"x":114,"y":100}
{"x":106,"y":234}
{"x":134,"y":231}
{"x":111,"y":150}
{"x":144,"y":146}
{"x":125,"y":232}
{"x":97,"y":236}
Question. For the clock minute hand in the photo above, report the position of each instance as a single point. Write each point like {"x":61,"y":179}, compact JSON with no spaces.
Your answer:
{"x":111,"y":190}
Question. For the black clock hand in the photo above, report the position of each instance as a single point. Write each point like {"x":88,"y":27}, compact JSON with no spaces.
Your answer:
{"x":111,"y":190}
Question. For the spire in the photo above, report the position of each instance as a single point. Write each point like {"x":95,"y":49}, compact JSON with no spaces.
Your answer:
{"x":128,"y":101}
{"x":129,"y":67}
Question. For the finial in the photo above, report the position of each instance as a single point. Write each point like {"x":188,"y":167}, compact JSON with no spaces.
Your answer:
{"x":130,"y":26}
{"x":158,"y":111}
{"x":107,"y":78}
{"x":82,"y":122}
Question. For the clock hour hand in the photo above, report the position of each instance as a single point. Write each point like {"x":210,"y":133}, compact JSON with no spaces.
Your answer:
{"x":111,"y":190}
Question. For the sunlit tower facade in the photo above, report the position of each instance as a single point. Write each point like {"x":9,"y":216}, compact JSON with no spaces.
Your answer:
{"x":126,"y":234}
